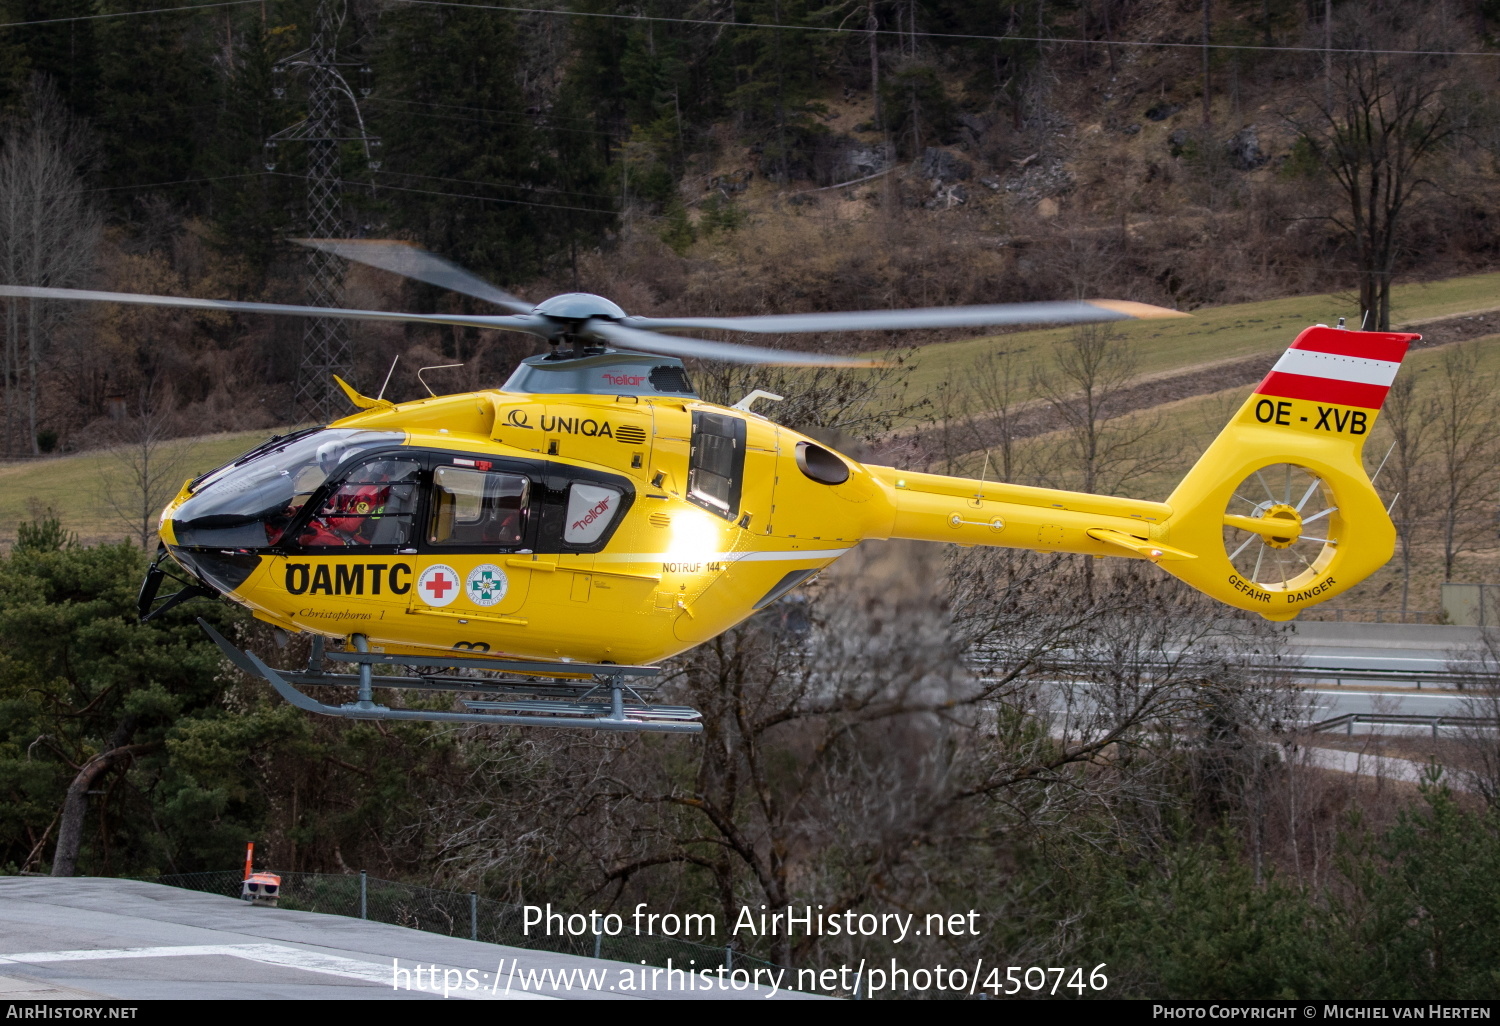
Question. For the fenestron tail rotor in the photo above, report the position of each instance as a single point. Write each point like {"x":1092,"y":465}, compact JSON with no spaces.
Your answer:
{"x":1282,"y":527}
{"x":582,"y":318}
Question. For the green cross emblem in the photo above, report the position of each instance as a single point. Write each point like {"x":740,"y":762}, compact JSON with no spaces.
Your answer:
{"x":484,"y":585}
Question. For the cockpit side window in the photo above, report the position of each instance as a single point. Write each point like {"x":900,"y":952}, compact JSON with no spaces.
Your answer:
{"x":374,"y":505}
{"x":716,"y":464}
{"x":478,"y":508}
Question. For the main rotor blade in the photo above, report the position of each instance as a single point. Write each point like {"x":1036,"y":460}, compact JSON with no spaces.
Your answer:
{"x":411,"y":261}
{"x":728,"y":352}
{"x":535,"y":325}
{"x":1066,"y":312}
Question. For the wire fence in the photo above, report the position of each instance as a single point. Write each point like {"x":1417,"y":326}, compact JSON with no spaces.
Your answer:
{"x":457,"y":914}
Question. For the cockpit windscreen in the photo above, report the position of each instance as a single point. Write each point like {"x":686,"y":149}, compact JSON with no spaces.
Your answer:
{"x":249,"y":503}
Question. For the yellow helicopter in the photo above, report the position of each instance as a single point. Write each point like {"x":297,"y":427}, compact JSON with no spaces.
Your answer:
{"x":593,"y":516}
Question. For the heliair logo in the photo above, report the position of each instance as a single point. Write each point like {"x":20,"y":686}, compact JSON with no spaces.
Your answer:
{"x":486,"y":584}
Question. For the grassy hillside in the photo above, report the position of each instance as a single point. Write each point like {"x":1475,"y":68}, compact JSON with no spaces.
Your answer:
{"x":1193,"y":423}
{"x":1212,"y":333}
{"x":79,"y":487}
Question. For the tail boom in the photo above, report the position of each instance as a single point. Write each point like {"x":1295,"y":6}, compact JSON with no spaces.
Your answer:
{"x":1306,"y":422}
{"x":966,"y":511}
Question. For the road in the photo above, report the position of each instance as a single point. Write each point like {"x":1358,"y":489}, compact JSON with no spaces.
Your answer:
{"x":1418,"y":649}
{"x":1326,"y":702}
{"x":1426,"y":652}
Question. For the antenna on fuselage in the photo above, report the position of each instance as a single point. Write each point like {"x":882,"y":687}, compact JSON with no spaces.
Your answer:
{"x":441,"y":366}
{"x":387,"y":380}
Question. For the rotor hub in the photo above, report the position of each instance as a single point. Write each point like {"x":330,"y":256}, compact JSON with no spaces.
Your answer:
{"x":578,"y":307}
{"x":1282,"y":511}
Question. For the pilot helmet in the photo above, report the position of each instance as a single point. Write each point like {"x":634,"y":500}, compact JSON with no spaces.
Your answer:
{"x":327,"y":455}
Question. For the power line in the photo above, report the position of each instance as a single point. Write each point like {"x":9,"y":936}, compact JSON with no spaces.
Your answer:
{"x":500,"y":121}
{"x":837,"y":30}
{"x":459,"y":195}
{"x":128,"y":14}
{"x":180,"y":181}
{"x":988,"y":234}
{"x":497,"y":199}
{"x":487,"y":110}
{"x":499,"y":185}
{"x":398,"y":188}
{"x":826,"y":29}
{"x":174,"y":108}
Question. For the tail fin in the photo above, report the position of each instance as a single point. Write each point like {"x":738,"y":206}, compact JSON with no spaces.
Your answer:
{"x":1279,"y":510}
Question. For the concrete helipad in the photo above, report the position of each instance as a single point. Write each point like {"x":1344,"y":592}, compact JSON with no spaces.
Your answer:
{"x":92,"y":938}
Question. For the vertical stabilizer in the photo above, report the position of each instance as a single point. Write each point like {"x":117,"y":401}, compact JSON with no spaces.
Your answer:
{"x":1279,"y":510}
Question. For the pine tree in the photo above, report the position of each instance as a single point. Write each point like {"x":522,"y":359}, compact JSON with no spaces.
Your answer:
{"x":153,"y":102}
{"x":778,"y":72}
{"x":464,"y":160}
{"x":67,"y":52}
{"x":248,"y":205}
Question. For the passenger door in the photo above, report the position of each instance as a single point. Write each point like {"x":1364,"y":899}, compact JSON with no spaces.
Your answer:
{"x":480,"y":519}
{"x":758,"y":493}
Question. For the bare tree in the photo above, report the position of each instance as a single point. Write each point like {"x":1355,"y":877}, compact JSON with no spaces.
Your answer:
{"x":1208,"y":23}
{"x":836,"y":752}
{"x":75,"y":805}
{"x":49,"y":232}
{"x":995,"y":383}
{"x":952,"y":421}
{"x":1463,"y":449}
{"x":862,"y":404}
{"x":147,"y":468}
{"x":917,"y":705}
{"x":1375,"y":130}
{"x":1479,"y":738}
{"x":1100,"y":451}
{"x":1408,"y":419}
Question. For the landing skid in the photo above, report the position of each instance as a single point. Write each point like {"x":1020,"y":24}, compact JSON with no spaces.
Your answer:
{"x":610,"y":698}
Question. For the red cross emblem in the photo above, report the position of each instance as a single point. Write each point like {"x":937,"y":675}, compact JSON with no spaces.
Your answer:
{"x":438,"y":584}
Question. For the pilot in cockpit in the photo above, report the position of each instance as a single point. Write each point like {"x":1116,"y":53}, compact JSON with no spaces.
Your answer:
{"x":350,"y":515}
{"x":306,"y":480}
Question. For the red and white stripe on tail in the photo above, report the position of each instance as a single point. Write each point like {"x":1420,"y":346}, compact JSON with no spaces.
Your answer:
{"x":1338,"y":367}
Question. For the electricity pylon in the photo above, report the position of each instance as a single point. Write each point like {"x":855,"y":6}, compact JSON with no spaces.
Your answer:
{"x":325,"y":341}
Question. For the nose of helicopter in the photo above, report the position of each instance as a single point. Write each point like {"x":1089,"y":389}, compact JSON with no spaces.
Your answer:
{"x":221,"y":571}
{"x":221,"y":525}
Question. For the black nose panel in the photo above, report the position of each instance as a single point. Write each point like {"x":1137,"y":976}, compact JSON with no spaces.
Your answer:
{"x":226,"y":571}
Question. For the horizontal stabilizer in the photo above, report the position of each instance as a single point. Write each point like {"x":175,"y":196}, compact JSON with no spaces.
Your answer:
{"x":1139,"y":546}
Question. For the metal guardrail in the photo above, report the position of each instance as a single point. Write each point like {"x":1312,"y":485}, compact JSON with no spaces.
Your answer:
{"x":1455,"y":679}
{"x":460,"y":914}
{"x":1348,"y":720}
{"x":1297,"y":668}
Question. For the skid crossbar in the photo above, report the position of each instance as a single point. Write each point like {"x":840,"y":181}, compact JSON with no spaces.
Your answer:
{"x":598,"y":699}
